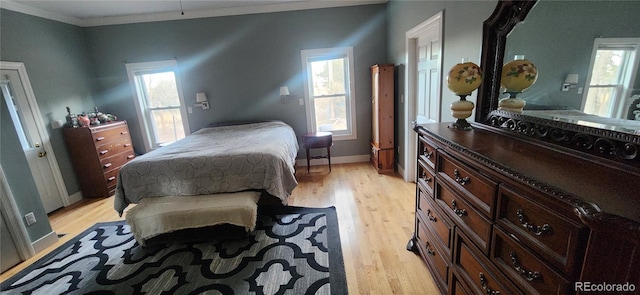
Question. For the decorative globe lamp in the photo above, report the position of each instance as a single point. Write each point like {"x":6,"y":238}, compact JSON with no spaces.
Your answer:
{"x":517,"y":75}
{"x":463,"y":79}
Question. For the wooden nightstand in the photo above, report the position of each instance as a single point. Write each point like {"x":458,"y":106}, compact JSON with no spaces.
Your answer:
{"x":316,"y":141}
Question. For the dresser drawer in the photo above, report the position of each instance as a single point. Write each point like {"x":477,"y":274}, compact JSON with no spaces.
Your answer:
{"x":472,"y":222}
{"x":426,"y":152}
{"x":382,"y":159}
{"x":110,"y":134}
{"x":479,"y":190}
{"x":524,"y":268}
{"x":558,"y":239}
{"x":437,"y":221}
{"x":437,"y":260}
{"x":112,"y":148}
{"x":425,"y":176}
{"x":111,"y":178}
{"x":476,"y":270}
{"x":457,"y":287}
{"x":116,"y":161}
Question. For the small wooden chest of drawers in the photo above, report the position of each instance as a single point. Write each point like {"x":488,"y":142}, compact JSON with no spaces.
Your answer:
{"x":97,"y":153}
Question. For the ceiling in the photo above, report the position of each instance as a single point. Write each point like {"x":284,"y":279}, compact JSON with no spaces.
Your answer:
{"x":97,"y":12}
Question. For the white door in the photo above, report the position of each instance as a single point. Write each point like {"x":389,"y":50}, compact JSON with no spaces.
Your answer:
{"x":424,"y":83}
{"x":8,"y":248}
{"x":16,"y":90}
{"x":429,"y":71}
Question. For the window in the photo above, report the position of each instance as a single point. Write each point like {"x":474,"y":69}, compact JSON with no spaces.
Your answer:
{"x":329,"y":91}
{"x":159,"y":102}
{"x":614,"y":63}
{"x":15,"y":114}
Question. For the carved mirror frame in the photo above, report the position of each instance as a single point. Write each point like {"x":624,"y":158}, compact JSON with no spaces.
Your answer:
{"x":609,"y":146}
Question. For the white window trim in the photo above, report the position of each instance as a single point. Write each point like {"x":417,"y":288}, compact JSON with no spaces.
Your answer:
{"x":132,"y":69}
{"x":625,"y":88}
{"x":308,"y":54}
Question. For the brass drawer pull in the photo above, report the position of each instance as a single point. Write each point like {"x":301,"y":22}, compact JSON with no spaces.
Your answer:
{"x":112,"y":178}
{"x":425,"y":177}
{"x":127,"y":145}
{"x":460,"y":180}
{"x":536,"y":229}
{"x":130,"y":157}
{"x":529,"y":276}
{"x":124,"y":133}
{"x":427,"y":153}
{"x":483,"y":282}
{"x":459,"y":212}
{"x":104,"y":152}
{"x":101,"y":138}
{"x":431,"y":217}
{"x":431,"y":252}
{"x":107,"y":165}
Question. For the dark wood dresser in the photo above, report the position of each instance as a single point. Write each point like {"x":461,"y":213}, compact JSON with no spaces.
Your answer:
{"x":97,"y":153}
{"x":498,"y":213}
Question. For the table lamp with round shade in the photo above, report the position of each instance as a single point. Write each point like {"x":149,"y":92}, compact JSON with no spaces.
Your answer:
{"x":463,"y":79}
{"x":517,"y":75}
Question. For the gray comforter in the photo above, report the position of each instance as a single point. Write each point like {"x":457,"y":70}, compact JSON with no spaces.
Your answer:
{"x":214,"y":160}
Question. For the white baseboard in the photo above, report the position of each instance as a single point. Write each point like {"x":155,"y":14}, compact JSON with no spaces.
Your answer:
{"x":400,"y":170}
{"x":44,"y":242}
{"x":52,"y":237}
{"x":75,"y":197}
{"x":334,"y":160}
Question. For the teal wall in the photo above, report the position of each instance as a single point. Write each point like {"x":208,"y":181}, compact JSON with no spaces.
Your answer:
{"x":558,"y":36}
{"x":462,"y":39}
{"x":240,"y":62}
{"x":14,"y":164}
{"x":57,"y":62}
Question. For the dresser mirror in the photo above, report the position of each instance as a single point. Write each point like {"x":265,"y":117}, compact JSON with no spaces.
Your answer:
{"x":565,"y":48}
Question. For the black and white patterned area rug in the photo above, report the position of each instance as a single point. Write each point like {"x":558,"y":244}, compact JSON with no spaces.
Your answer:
{"x":293,"y":250}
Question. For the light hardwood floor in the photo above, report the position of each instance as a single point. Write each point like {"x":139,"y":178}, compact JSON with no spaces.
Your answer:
{"x":375,"y":213}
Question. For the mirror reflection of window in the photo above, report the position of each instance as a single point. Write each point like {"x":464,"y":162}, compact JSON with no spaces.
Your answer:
{"x":613,"y":68}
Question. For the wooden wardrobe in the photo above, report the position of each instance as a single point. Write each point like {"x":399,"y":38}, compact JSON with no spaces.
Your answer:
{"x":382,"y":118}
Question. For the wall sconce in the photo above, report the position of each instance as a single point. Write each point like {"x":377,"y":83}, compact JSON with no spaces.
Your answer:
{"x":202,"y":101}
{"x":570,"y":82}
{"x":284,"y":94}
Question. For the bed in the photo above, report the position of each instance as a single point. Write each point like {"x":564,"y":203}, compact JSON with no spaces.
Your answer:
{"x":223,"y":159}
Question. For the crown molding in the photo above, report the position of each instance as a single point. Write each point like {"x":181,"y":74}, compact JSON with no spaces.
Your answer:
{"x":176,"y":15}
{"x":17,"y":7}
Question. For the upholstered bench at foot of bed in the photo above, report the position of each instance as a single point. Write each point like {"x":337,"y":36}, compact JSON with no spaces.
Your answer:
{"x":156,"y":216}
